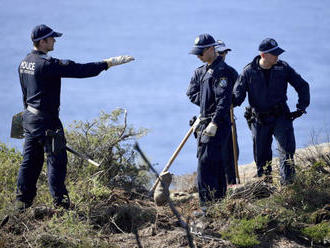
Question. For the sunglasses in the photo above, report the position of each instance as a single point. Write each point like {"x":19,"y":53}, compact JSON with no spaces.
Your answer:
{"x":204,"y":50}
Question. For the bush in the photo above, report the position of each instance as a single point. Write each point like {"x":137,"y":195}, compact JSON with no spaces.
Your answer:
{"x":309,"y":190}
{"x":108,"y":142}
{"x":318,"y":233}
{"x":286,"y":210}
{"x":10,"y":160}
{"x":105,"y":140}
{"x":243,"y":233}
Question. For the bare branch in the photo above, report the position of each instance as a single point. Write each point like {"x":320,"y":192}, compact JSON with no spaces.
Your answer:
{"x":170,"y":203}
{"x":115,"y":224}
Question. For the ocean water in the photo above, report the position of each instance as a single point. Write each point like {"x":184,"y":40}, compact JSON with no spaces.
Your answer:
{"x":160,"y":34}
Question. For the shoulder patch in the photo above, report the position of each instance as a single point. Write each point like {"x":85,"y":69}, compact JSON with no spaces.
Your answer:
{"x":223,"y":82}
{"x":45,"y":56}
{"x":64,"y":62}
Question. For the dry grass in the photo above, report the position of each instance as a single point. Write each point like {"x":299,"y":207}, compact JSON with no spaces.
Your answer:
{"x":269,"y":215}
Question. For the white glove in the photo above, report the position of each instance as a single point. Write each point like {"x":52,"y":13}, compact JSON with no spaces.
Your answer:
{"x":118,"y":60}
{"x":211,"y":129}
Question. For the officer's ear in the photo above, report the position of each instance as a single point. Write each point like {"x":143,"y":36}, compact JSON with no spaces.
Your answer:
{"x":36,"y":44}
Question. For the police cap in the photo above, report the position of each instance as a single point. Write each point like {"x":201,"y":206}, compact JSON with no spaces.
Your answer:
{"x":202,"y":41}
{"x":42,"y":32}
{"x":270,"y":45}
{"x":221,"y":47}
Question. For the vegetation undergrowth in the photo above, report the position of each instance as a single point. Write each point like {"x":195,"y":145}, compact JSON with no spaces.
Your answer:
{"x":112,"y":199}
{"x":300,"y":211}
{"x":243,"y":232}
{"x":96,"y":192}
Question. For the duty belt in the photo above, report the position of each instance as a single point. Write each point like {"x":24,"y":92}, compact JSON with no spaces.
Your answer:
{"x":251,"y":114}
{"x":39,"y":112}
{"x":34,"y":110}
{"x":276,"y":111}
{"x":206,"y":117}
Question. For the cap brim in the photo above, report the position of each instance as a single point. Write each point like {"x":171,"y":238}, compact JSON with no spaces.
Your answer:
{"x":277,"y":51}
{"x":197,"y":51}
{"x":225,"y":50}
{"x":56,"y":34}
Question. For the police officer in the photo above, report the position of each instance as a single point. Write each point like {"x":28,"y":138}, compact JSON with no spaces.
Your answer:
{"x":265,"y":80}
{"x":223,"y":50}
{"x":40,"y":77}
{"x":210,"y":88}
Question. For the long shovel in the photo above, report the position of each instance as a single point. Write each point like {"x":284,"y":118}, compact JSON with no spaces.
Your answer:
{"x":80,"y":155}
{"x":234,"y":136}
{"x":176,"y":152}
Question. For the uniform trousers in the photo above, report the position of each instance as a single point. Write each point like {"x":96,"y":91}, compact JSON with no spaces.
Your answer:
{"x":282,"y":129}
{"x":211,"y":177}
{"x":36,"y":143}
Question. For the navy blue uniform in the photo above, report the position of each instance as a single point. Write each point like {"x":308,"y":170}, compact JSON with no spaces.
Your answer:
{"x":267,"y":98}
{"x":210,"y":88}
{"x":40,"y":77}
{"x":228,"y":155}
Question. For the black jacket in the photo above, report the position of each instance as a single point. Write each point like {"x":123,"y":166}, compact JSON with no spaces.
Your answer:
{"x":262,"y":96}
{"x":40,"y":77}
{"x":211,"y":89}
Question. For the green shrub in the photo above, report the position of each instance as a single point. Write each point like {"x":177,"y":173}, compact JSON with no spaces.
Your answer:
{"x":243,"y":233}
{"x":318,"y":233}
{"x":108,"y":142}
{"x":309,"y":190}
{"x":10,"y":160}
{"x":107,"y":139}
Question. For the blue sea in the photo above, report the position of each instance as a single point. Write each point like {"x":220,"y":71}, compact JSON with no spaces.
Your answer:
{"x":160,"y":34}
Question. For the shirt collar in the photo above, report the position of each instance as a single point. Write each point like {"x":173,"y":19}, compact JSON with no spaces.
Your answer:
{"x":215,"y":63}
{"x":38,"y":52}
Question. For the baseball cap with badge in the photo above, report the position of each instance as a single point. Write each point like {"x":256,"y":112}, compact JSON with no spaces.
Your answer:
{"x":201,"y":42}
{"x":42,"y":32}
{"x":269,"y":45}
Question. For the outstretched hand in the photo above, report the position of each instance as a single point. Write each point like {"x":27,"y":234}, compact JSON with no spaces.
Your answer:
{"x":119,"y":60}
